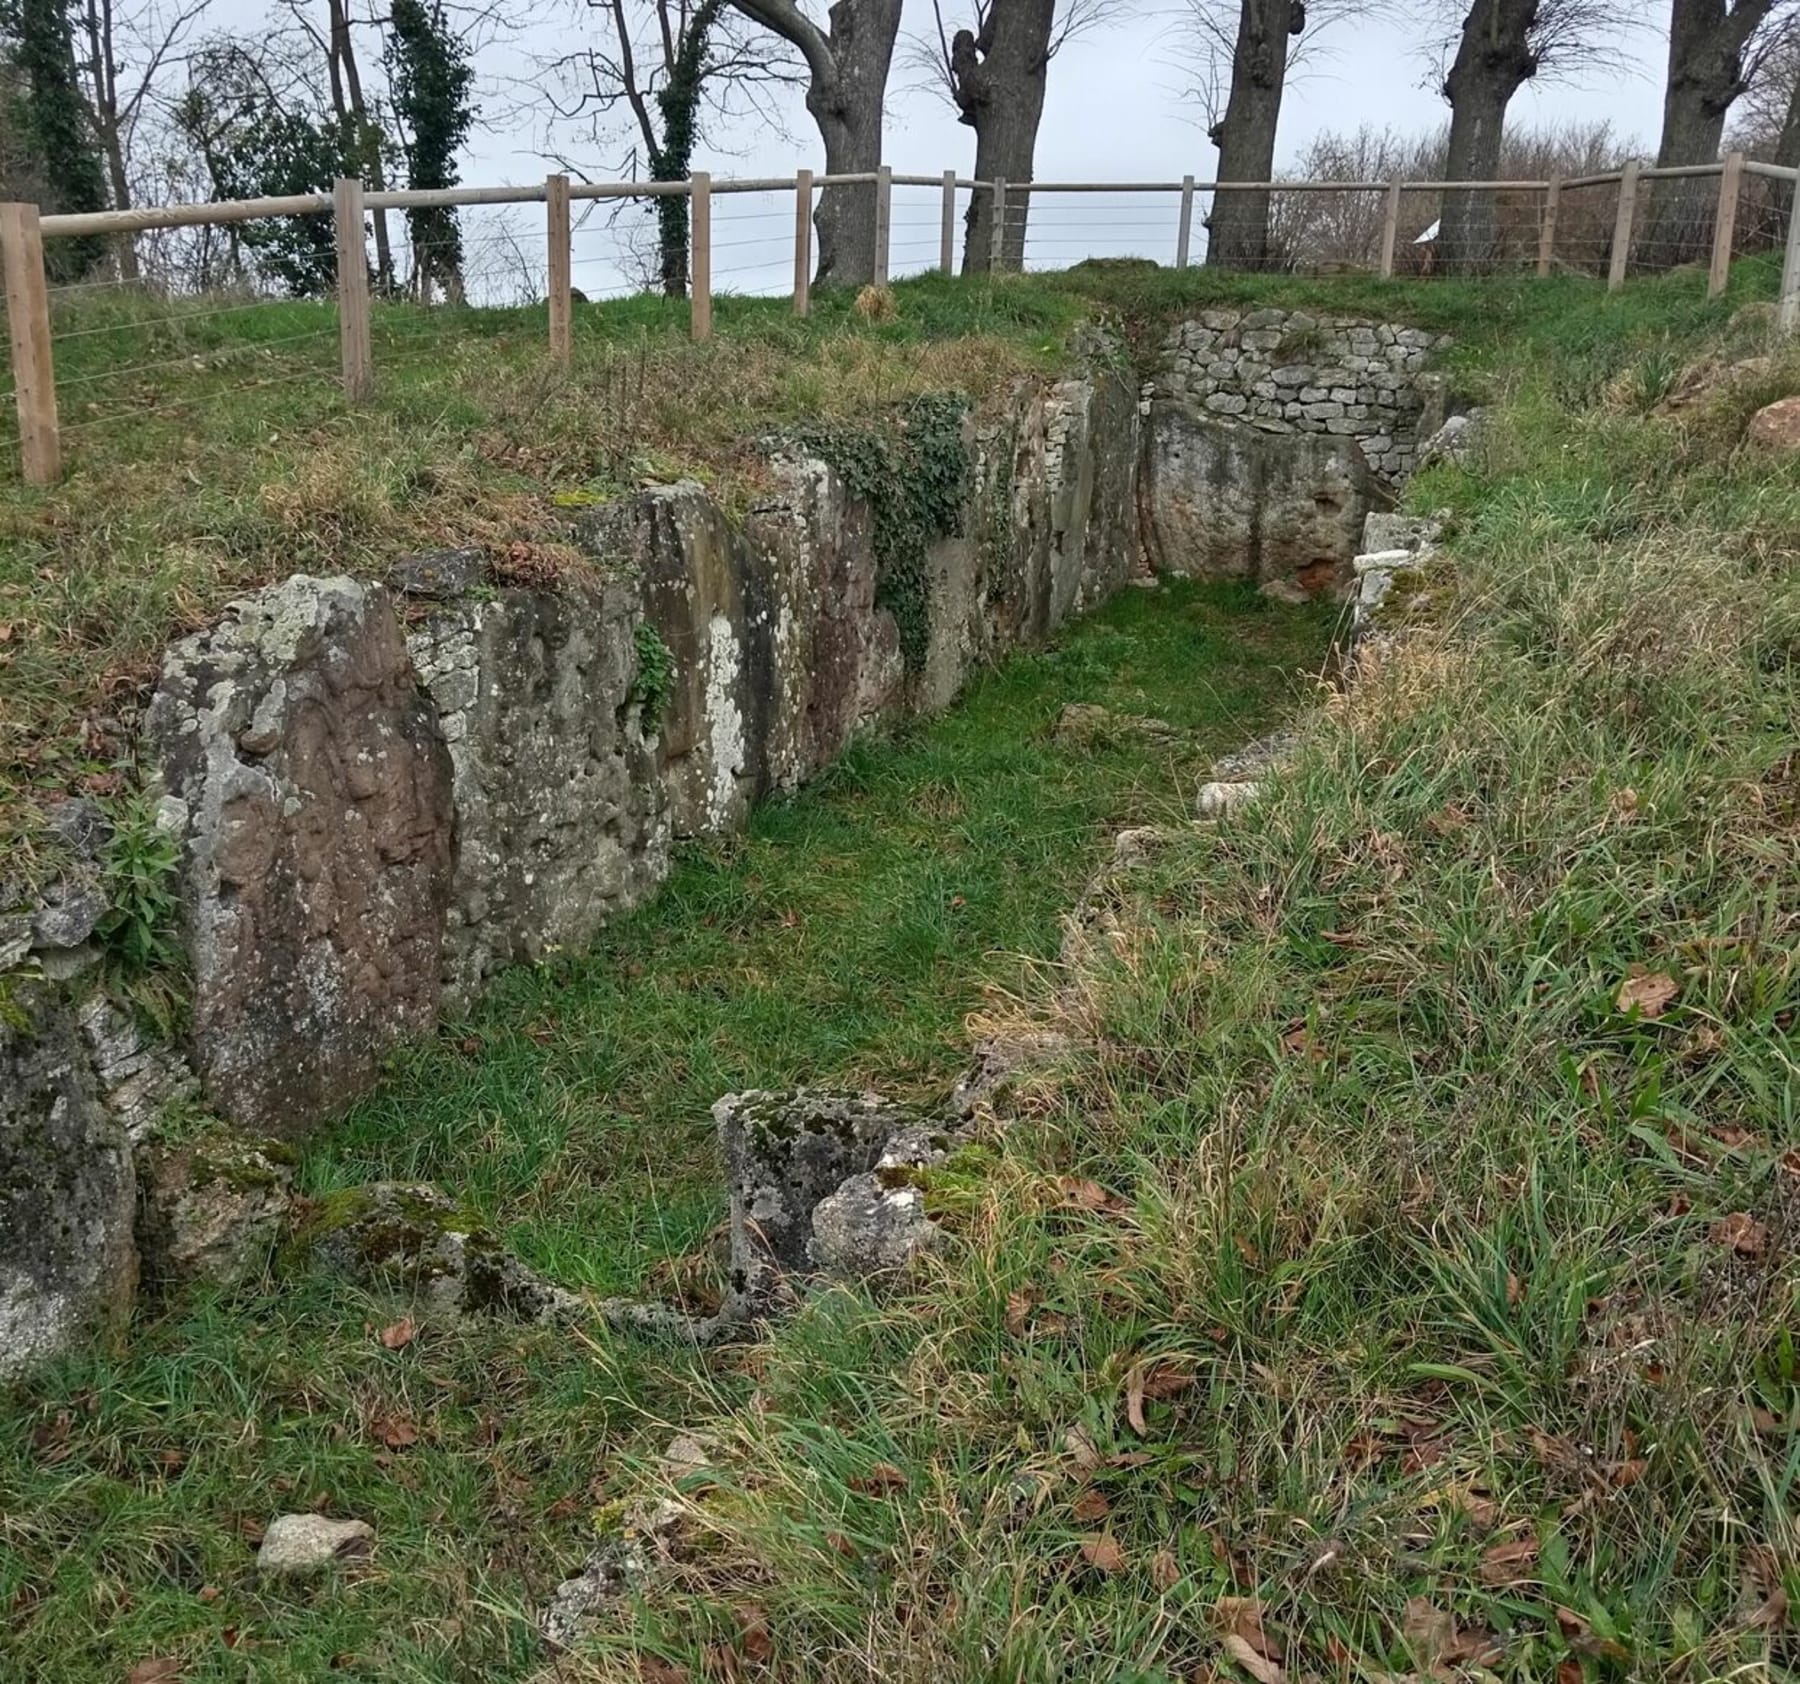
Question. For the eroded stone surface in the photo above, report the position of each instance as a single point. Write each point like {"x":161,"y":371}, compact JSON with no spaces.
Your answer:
{"x":1777,"y":426}
{"x":312,"y":789}
{"x":1219,"y":799}
{"x":1224,"y":501}
{"x":68,"y":1261}
{"x":876,"y":1223}
{"x":561,"y":820}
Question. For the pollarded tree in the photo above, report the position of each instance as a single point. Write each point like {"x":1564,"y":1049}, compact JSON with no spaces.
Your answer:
{"x":847,"y":65}
{"x":429,"y":79}
{"x":995,"y":71}
{"x":1247,"y":52}
{"x":1502,"y":45}
{"x":1712,"y":48}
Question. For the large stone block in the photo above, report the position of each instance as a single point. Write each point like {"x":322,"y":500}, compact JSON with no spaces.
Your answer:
{"x":311,"y":787}
{"x":68,"y":1263}
{"x":561,"y":817}
{"x":1227,"y":502}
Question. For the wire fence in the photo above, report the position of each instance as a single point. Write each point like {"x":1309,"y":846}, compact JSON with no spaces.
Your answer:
{"x":253,"y":295}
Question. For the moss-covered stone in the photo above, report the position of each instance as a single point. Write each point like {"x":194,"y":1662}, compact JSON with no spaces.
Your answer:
{"x":212,"y":1202}
{"x":417,"y":1241}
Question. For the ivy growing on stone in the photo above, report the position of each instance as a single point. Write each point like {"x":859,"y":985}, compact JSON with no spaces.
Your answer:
{"x":914,"y":474}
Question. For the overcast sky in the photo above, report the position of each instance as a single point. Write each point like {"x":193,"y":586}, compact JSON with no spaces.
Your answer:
{"x":1118,"y":104}
{"x":1119,"y":107}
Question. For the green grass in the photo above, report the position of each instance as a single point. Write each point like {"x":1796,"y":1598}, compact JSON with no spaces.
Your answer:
{"x":1441,"y":1304}
{"x":842,"y":940}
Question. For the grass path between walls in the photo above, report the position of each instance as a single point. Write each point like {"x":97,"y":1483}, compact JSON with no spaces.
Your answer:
{"x":843,"y":940}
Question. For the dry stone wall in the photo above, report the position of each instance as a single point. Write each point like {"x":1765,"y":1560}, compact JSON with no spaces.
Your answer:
{"x":1289,"y":371}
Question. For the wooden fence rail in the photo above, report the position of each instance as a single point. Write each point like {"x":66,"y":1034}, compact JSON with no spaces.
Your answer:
{"x":23,"y":232}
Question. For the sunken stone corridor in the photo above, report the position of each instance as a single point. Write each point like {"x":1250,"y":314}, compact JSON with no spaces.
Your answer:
{"x":388,"y":794}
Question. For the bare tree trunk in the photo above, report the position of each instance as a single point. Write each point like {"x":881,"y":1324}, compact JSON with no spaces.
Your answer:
{"x":1245,"y":136}
{"x":346,"y":87}
{"x":1707,"y":42}
{"x":1494,"y":59}
{"x":847,"y":69}
{"x":997,"y":80}
{"x":103,"y":97}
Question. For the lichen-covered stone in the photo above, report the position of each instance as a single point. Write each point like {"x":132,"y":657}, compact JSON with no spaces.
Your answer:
{"x":139,"y":1077}
{"x":1219,"y":799}
{"x":312,"y":789}
{"x":561,"y":817}
{"x":68,"y":1260}
{"x":417,"y":1241}
{"x":212,"y":1206}
{"x":297,"y":1546}
{"x":616,"y":1568}
{"x":1228,"y":502}
{"x":876,"y":1223}
{"x":784,"y":1152}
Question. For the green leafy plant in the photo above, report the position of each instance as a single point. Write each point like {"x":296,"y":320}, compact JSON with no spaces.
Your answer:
{"x":138,"y":875}
{"x":655,"y":681}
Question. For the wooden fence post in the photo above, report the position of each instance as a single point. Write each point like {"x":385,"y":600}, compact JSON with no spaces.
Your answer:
{"x":947,"y":233}
{"x":353,"y":288}
{"x":28,"y":327}
{"x":557,"y":230}
{"x":997,"y":233}
{"x":802,"y":241}
{"x":700,"y":254}
{"x":1184,"y":227}
{"x":1787,"y":316}
{"x":1390,"y":230}
{"x":1731,"y":178}
{"x":884,"y":210}
{"x":1547,"y":228}
{"x":1621,"y":246}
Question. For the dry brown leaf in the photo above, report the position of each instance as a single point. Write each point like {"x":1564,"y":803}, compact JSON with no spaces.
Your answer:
{"x":753,"y":1633}
{"x":1165,"y":1570}
{"x":1773,"y":1613}
{"x":1019,"y":1306}
{"x":1429,"y":1632}
{"x":879,"y":1480}
{"x":662,"y":1672}
{"x":1091,"y":1505}
{"x":155,"y":1671}
{"x":1081,"y":1449}
{"x":1568,"y":1672}
{"x":1090,"y":1195}
{"x":1579,"y":1635}
{"x":1260,"y":1667}
{"x":1742,"y":1232}
{"x":397,"y":1432}
{"x":1629,"y":1472}
{"x":1504,"y":1564}
{"x":398,"y":1335}
{"x":1242,"y":1616}
{"x":1102,"y":1552}
{"x":1648,"y":993}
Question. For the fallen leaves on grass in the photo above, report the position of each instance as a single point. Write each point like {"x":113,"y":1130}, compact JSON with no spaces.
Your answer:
{"x":397,"y":1432}
{"x":155,"y":1671}
{"x":1579,"y":1634}
{"x":1103,"y":1552}
{"x":1090,"y":1195}
{"x":1648,"y":993}
{"x":1156,"y":1381}
{"x":1742,"y":1232}
{"x":1091,"y":1505}
{"x":879,"y":1480}
{"x":1509,"y":1563}
{"x":396,"y":1336}
{"x":1260,"y":1667}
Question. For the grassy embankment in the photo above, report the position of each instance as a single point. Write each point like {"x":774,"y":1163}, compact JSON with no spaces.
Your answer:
{"x":1372,"y":1286}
